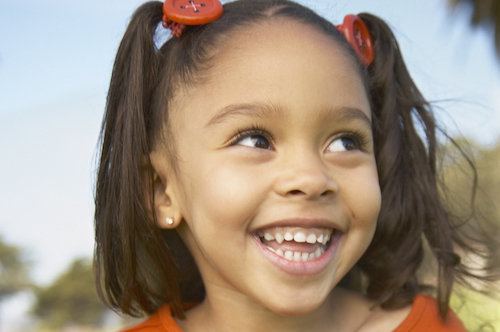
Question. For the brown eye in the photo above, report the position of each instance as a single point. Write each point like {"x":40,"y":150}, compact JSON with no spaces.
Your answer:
{"x":342,"y":144}
{"x":255,"y":141}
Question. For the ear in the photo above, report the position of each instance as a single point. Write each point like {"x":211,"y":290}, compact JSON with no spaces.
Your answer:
{"x":168,"y":215}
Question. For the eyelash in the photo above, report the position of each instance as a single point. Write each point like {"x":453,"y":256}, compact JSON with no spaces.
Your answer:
{"x":359,"y":137}
{"x":247,"y":132}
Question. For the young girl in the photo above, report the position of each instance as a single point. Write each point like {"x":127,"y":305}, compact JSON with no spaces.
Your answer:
{"x":262,"y":170}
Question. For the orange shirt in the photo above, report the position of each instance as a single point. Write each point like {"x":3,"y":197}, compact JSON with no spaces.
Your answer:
{"x":423,"y":317}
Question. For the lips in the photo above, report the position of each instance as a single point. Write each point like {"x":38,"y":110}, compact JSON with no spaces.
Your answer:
{"x":296,"y":243}
{"x":299,"y":250}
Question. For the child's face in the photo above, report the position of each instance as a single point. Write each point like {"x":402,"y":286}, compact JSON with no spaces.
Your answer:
{"x":277,"y":141}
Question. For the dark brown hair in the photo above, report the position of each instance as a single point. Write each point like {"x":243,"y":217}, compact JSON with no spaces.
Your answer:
{"x":140,"y":267}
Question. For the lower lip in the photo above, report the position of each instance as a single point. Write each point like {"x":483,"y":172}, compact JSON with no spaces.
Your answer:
{"x":300,"y":268}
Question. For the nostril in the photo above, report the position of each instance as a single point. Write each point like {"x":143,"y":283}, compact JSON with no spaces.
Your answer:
{"x":327,"y":193}
{"x":296,"y":192}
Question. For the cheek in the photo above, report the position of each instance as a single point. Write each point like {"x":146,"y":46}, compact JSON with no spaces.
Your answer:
{"x":369,"y":202}
{"x":365,"y":200}
{"x":221,"y":203}
{"x":224,"y":195}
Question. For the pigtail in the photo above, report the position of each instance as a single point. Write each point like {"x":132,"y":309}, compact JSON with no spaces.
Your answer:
{"x":407,"y":174}
{"x":134,"y":270}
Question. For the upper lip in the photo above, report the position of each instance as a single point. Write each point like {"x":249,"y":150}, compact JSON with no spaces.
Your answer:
{"x":303,"y":223}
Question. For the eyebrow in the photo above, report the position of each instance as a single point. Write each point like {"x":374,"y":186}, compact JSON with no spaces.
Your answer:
{"x":346,"y":114}
{"x":266,"y":110}
{"x":259,"y":110}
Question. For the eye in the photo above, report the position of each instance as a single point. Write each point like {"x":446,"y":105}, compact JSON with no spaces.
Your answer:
{"x":342,"y":144}
{"x":255,"y":141}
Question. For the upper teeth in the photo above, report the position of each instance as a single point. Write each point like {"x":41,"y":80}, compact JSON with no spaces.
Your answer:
{"x":298,"y":236}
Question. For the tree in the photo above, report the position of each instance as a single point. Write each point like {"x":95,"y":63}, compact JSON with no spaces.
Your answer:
{"x":71,"y":299}
{"x":480,"y":208}
{"x":484,"y":12}
{"x":14,"y":270}
{"x":460,"y":180}
{"x":477,"y":310}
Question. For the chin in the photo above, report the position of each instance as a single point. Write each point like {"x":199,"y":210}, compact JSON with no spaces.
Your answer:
{"x":294,"y":307}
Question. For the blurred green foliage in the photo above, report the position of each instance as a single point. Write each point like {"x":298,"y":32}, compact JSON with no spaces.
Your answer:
{"x":479,"y":310}
{"x":71,"y":299}
{"x":14,"y":270}
{"x":484,"y":12}
{"x":482,"y":206}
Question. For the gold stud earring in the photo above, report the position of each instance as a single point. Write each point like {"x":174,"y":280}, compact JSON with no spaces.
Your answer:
{"x":170,"y":221}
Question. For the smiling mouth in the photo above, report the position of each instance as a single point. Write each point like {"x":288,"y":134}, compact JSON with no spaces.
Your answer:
{"x":296,"y":243}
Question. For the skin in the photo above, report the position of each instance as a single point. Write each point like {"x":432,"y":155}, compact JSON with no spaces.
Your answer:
{"x":308,"y":101}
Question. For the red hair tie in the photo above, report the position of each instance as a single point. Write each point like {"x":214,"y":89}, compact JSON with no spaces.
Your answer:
{"x":179,"y":13}
{"x":357,"y":34}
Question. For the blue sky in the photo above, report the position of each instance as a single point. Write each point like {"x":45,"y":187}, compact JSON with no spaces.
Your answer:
{"x":55,"y":63}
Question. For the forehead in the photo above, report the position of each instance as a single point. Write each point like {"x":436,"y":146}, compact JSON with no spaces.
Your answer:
{"x":280,"y":61}
{"x":284,"y":41}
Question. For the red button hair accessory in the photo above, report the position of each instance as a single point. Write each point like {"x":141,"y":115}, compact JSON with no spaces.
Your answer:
{"x":179,"y":13}
{"x":357,"y":34}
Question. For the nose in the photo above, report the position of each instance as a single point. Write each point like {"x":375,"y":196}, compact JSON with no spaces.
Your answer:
{"x":306,"y":176}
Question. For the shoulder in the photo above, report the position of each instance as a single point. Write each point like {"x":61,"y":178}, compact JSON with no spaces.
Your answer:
{"x":421,"y":316}
{"x":424,"y":316}
{"x":161,"y":320}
